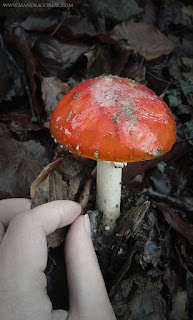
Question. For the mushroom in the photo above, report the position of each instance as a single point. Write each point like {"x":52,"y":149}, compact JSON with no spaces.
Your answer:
{"x":113,"y":120}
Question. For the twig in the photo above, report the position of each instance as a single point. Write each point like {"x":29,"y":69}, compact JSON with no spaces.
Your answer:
{"x":169,"y":199}
{"x":156,"y":77}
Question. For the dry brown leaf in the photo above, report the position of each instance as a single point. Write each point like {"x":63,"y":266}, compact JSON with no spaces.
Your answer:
{"x":43,"y":175}
{"x":85,"y":194}
{"x":56,"y":238}
{"x":188,"y":10}
{"x":145,"y":39}
{"x":179,"y":308}
{"x":132,"y":219}
{"x":5,"y":131}
{"x":39,"y":152}
{"x":58,"y":57}
{"x":174,"y":220}
{"x":50,"y":186}
{"x":31,"y":67}
{"x":53,"y":89}
{"x":18,"y":169}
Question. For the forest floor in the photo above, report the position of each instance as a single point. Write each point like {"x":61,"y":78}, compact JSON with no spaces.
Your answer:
{"x":147,"y":263}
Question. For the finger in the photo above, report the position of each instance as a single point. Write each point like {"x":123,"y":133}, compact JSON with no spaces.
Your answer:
{"x":23,"y":254}
{"x":88,"y":296}
{"x":9,"y":208}
{"x":59,"y":315}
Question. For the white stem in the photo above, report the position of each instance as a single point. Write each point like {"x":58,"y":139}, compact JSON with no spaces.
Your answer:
{"x":108,"y":193}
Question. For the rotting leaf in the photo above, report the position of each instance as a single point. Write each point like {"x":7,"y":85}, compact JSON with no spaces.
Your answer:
{"x":10,"y":83}
{"x":187,"y":89}
{"x":31,"y":67}
{"x":133,"y":219}
{"x":59,"y":57}
{"x":174,"y":220}
{"x":42,"y":22}
{"x":123,"y":270}
{"x":64,"y":24}
{"x":98,"y":62}
{"x":76,"y":27}
{"x":18,"y":169}
{"x":134,"y":71}
{"x":121,"y":53}
{"x":5,"y":131}
{"x":39,"y":152}
{"x":120,"y":10}
{"x":161,"y":182}
{"x":21,"y":119}
{"x":137,"y":297}
{"x":174,"y":97}
{"x":150,"y":13}
{"x":53,"y":89}
{"x":166,"y":14}
{"x":179,"y":308}
{"x":145,"y":39}
{"x":152,"y":252}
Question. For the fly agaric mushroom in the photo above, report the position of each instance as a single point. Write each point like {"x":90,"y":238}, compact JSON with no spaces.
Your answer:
{"x":113,"y":120}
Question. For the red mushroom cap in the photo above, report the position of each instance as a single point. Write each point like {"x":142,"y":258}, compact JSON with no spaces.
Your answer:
{"x":113,"y":119}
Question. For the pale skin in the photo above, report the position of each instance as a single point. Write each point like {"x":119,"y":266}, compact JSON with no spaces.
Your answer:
{"x":23,"y":259}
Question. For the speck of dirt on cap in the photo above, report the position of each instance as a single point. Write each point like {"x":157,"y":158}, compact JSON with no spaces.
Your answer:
{"x":96,"y":154}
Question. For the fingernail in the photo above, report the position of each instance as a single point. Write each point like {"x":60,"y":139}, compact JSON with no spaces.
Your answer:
{"x":87,"y":224}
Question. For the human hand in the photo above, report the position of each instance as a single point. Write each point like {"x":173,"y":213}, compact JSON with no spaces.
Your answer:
{"x":23,"y":259}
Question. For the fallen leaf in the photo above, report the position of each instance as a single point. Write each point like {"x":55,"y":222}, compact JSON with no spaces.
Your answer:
{"x":56,"y":238}
{"x":50,"y":186}
{"x":120,"y":10}
{"x":53,"y":89}
{"x":77,"y":27}
{"x":85,"y":194}
{"x":18,"y":169}
{"x":145,"y":39}
{"x":121,"y":53}
{"x":22,"y":119}
{"x":43,"y":175}
{"x":187,"y":89}
{"x":33,"y":75}
{"x":174,"y":220}
{"x":64,"y":24}
{"x":39,"y":152}
{"x":132,"y":219}
{"x":10,"y":83}
{"x":42,"y":22}
{"x":4,"y":130}
{"x":134,"y":71}
{"x":150,"y":13}
{"x":179,"y":306}
{"x":58,"y":57}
